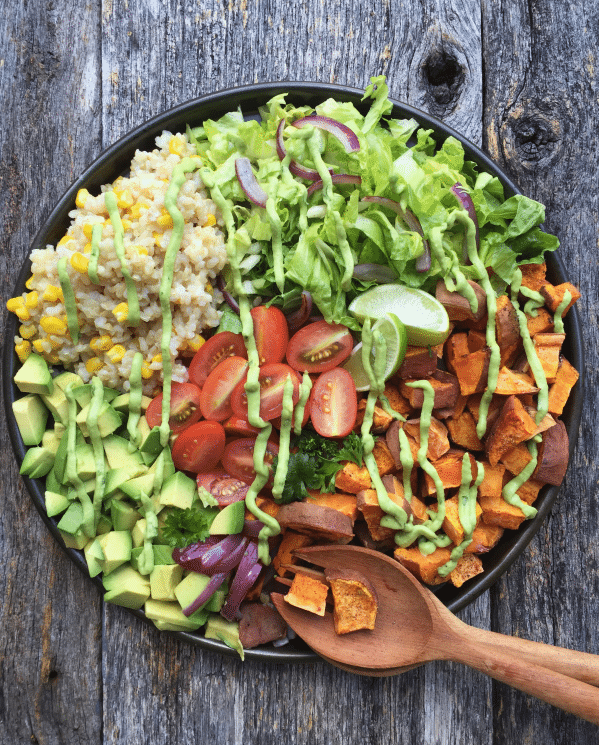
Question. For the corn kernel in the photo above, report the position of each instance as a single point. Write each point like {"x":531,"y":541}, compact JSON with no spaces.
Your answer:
{"x":176,"y":145}
{"x":14,"y":304}
{"x":165,"y":221}
{"x":87,"y":230}
{"x":23,"y":350}
{"x":136,"y":210}
{"x":101,"y":343}
{"x":126,"y":224}
{"x":27,"y":332}
{"x":22,"y":313}
{"x":87,"y":249}
{"x":52,"y":294}
{"x":124,"y":199}
{"x":157,"y":239}
{"x":209,"y":288}
{"x":79,"y":262}
{"x":195,"y":343}
{"x":52,"y":325}
{"x":121,"y":312}
{"x":29,"y":283}
{"x":64,"y":240}
{"x":93,"y":365}
{"x":81,"y":198}
{"x":141,"y":250}
{"x":116,"y":353}
{"x":157,"y":358}
{"x":210,"y":221}
{"x":146,"y":371}
{"x":40,"y":346}
{"x":31,"y":299}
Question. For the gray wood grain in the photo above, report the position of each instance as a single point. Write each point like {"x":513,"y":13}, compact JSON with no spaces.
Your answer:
{"x":517,"y":77}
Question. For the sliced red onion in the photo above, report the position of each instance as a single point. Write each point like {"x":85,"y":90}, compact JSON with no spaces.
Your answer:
{"x":423,"y":262}
{"x":344,"y":134}
{"x":298,"y":317}
{"x":281,"y":152}
{"x":224,"y":555}
{"x":337,"y":178}
{"x":249,"y":183}
{"x":379,"y":273}
{"x":229,"y":299}
{"x":466,"y":202}
{"x":245,"y":576}
{"x":215,"y":582}
{"x":252,"y":528}
{"x":190,"y":556}
{"x":297,"y":169}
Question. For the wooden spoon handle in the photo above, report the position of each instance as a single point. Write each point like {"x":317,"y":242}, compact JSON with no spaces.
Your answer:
{"x":508,"y":667}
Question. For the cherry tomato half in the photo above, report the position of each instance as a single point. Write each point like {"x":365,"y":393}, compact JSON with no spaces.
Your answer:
{"x":199,"y":448}
{"x":185,"y":407}
{"x":334,"y":403}
{"x":238,"y":458}
{"x":236,"y":426}
{"x":318,"y":347}
{"x":272,"y":380}
{"x":277,"y":422}
{"x":213,"y":352}
{"x":215,"y":399}
{"x":271,"y":333}
{"x":224,"y":488}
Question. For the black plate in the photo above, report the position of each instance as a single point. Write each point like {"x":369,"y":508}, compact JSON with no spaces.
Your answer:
{"x":117,"y":158}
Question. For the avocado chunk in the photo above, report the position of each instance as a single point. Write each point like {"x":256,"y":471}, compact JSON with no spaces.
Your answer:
{"x":64,"y":378}
{"x":124,"y":516}
{"x":109,"y":420}
{"x":94,"y":557}
{"x":163,"y":555}
{"x":121,"y":403}
{"x":31,"y":416}
{"x":229,"y":520}
{"x":37,"y":462}
{"x":125,"y":586}
{"x":134,"y":488}
{"x":84,"y":393}
{"x":178,"y":491}
{"x":116,"y":477}
{"x":116,"y":545}
{"x":55,"y":503}
{"x":226,"y":631}
{"x":168,"y":616}
{"x":150,"y":438}
{"x":51,"y":441}
{"x":116,"y":450}
{"x":164,"y":462}
{"x":58,"y":404}
{"x":163,"y":580}
{"x":217,"y":601}
{"x":34,"y":376}
{"x":71,"y":527}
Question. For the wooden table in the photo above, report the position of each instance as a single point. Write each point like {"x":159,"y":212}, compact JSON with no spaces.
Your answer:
{"x":517,"y":78}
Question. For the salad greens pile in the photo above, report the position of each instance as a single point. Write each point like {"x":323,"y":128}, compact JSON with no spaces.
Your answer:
{"x":396,"y":160}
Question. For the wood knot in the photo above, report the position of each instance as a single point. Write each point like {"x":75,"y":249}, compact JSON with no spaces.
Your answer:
{"x":533,"y":133}
{"x":444,"y":77}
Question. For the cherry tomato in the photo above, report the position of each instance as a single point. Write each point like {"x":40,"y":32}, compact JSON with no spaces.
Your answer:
{"x":215,"y":399}
{"x":271,"y":333}
{"x":237,"y":426}
{"x":224,"y":488}
{"x":272,"y":380}
{"x":334,"y":403}
{"x":213,"y":352}
{"x":185,"y":407}
{"x":199,"y":448}
{"x":318,"y":347}
{"x":277,"y":422}
{"x":238,"y":458}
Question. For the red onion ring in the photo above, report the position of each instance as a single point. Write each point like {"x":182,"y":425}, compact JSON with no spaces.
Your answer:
{"x":248,"y":182}
{"x":379,"y":273}
{"x":344,"y":134}
{"x":215,"y":582}
{"x":190,"y":557}
{"x":337,"y":178}
{"x":298,"y":317}
{"x":228,"y":551}
{"x":466,"y":202}
{"x":229,"y":299}
{"x":297,"y":169}
{"x":245,"y":576}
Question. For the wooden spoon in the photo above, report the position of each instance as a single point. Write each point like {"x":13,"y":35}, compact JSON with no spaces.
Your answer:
{"x":413,"y":626}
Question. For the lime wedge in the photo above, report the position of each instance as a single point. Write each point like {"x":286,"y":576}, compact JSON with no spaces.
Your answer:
{"x":394,"y":333}
{"x":424,"y":317}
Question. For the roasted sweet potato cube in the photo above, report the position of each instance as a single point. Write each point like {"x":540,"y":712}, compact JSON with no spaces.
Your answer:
{"x":554,"y":294}
{"x":438,"y":441}
{"x":493,"y":480}
{"x":552,"y":459}
{"x":396,"y":401}
{"x":424,"y":567}
{"x":512,"y":426}
{"x":259,"y":624}
{"x":507,"y":330}
{"x":419,"y":362}
{"x":452,"y":524}
{"x":415,"y":508}
{"x":445,"y":386}
{"x":496,"y":511}
{"x":449,"y":470}
{"x":368,"y":504}
{"x":484,"y":538}
{"x":462,"y":430}
{"x":468,"y":566}
{"x":546,"y":422}
{"x":457,"y":306}
{"x":516,"y":459}
{"x":352,"y":478}
{"x":308,"y":593}
{"x":355,"y":600}
{"x":380,"y":419}
{"x":472,"y":371}
{"x":511,"y":383}
{"x":473,"y":406}
{"x":529,"y":490}
{"x":476,"y":340}
{"x":292,"y":540}
{"x":548,"y":348}
{"x":456,"y":347}
{"x":323,"y":523}
{"x":540,"y":323}
{"x":559,"y":391}
{"x":266,"y":505}
{"x":385,"y":462}
{"x":533,"y":275}
{"x":345,"y":503}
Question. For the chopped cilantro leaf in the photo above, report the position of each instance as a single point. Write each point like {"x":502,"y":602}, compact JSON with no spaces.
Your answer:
{"x":183,"y":527}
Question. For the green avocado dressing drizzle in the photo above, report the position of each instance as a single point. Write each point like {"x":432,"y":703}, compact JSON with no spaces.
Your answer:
{"x":89,"y":514}
{"x":386,"y":407}
{"x":70,"y":304}
{"x":284,"y":439}
{"x":135,"y":396}
{"x":92,"y":267}
{"x":146,"y":557}
{"x":96,"y":440}
{"x":534,"y":302}
{"x":277,"y":241}
{"x":558,"y":321}
{"x":510,"y":489}
{"x":298,"y":417}
{"x":450,"y":265}
{"x":119,"y":247}
{"x":252,"y":386}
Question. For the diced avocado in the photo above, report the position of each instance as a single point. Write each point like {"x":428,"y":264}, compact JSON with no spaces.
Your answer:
{"x":229,"y":520}
{"x":217,"y":600}
{"x":109,"y":420}
{"x":72,"y":520}
{"x":125,"y":586}
{"x":134,"y":488}
{"x":168,"y":616}
{"x":53,"y":484}
{"x":163,"y":580}
{"x":59,"y":429}
{"x":51,"y":440}
{"x":178,"y":491}
{"x":77,"y":541}
{"x":104,"y":525}
{"x":150,"y":438}
{"x":58,"y":404}
{"x":226,"y":631}
{"x":55,"y":503}
{"x":165,"y":462}
{"x":34,"y":376}
{"x":138,"y":533}
{"x":190,"y":587}
{"x":37,"y":462}
{"x":86,"y":460}
{"x":116,"y":477}
{"x":163,"y":555}
{"x":117,"y":549}
{"x":84,"y":393}
{"x":121,"y":403}
{"x":94,"y":557}
{"x":64,"y":378}
{"x":117,"y":452}
{"x":124,"y":516}
{"x":60,"y":459}
{"x":229,"y":320}
{"x":31,"y":416}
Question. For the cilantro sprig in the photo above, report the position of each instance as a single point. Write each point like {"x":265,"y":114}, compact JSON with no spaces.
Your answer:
{"x":183,"y":527}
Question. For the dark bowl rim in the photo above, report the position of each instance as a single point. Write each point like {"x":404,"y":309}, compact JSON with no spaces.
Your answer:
{"x":249,"y":97}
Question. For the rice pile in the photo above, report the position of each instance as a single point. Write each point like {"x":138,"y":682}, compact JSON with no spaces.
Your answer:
{"x":106,"y":343}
